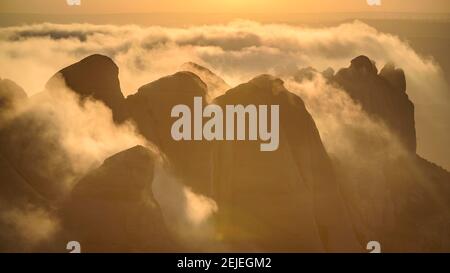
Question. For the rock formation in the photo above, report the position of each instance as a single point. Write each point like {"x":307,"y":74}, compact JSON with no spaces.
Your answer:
{"x":95,"y":76}
{"x":150,"y":108}
{"x":381,"y":95}
{"x":286,"y":200}
{"x":112,"y":209}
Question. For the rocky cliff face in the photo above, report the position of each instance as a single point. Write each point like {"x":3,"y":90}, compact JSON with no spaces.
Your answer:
{"x":285,"y":200}
{"x":382,"y":95}
{"x":95,"y":76}
{"x":112,"y":209}
{"x":151,"y":107}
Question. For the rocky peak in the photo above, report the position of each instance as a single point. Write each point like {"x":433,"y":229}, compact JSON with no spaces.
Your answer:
{"x":363,"y":65}
{"x":95,"y":76}
{"x":113,"y":207}
{"x":381,"y":95}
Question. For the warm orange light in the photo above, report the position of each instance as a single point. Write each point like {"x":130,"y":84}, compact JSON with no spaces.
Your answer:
{"x":222,"y":6}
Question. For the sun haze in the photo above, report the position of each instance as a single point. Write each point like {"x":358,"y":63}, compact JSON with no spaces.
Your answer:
{"x":206,"y":6}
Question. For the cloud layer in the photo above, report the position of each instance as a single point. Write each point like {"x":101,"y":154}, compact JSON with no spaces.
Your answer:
{"x":237,"y":51}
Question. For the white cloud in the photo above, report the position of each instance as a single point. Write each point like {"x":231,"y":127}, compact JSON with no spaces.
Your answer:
{"x":236,"y":51}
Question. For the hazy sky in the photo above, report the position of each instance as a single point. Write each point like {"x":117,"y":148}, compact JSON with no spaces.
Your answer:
{"x":119,"y":6}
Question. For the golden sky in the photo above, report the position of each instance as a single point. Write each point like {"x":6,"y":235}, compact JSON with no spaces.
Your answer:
{"x":241,"y":6}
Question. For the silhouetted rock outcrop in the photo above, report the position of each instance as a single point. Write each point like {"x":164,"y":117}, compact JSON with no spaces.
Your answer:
{"x":381,"y":95}
{"x":112,"y":209}
{"x":150,"y":107}
{"x":395,"y":76}
{"x":284,"y":200}
{"x":396,"y":197}
{"x":95,"y":76}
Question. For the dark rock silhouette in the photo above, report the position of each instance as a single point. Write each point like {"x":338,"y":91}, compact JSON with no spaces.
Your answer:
{"x":285,"y":200}
{"x":364,"y":65}
{"x":112,"y":209}
{"x":381,"y":95}
{"x":150,"y":108}
{"x":407,"y":192}
{"x":95,"y":76}
{"x":395,"y":76}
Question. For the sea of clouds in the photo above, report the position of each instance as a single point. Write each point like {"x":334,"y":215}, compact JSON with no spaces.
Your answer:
{"x":237,"y":52}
